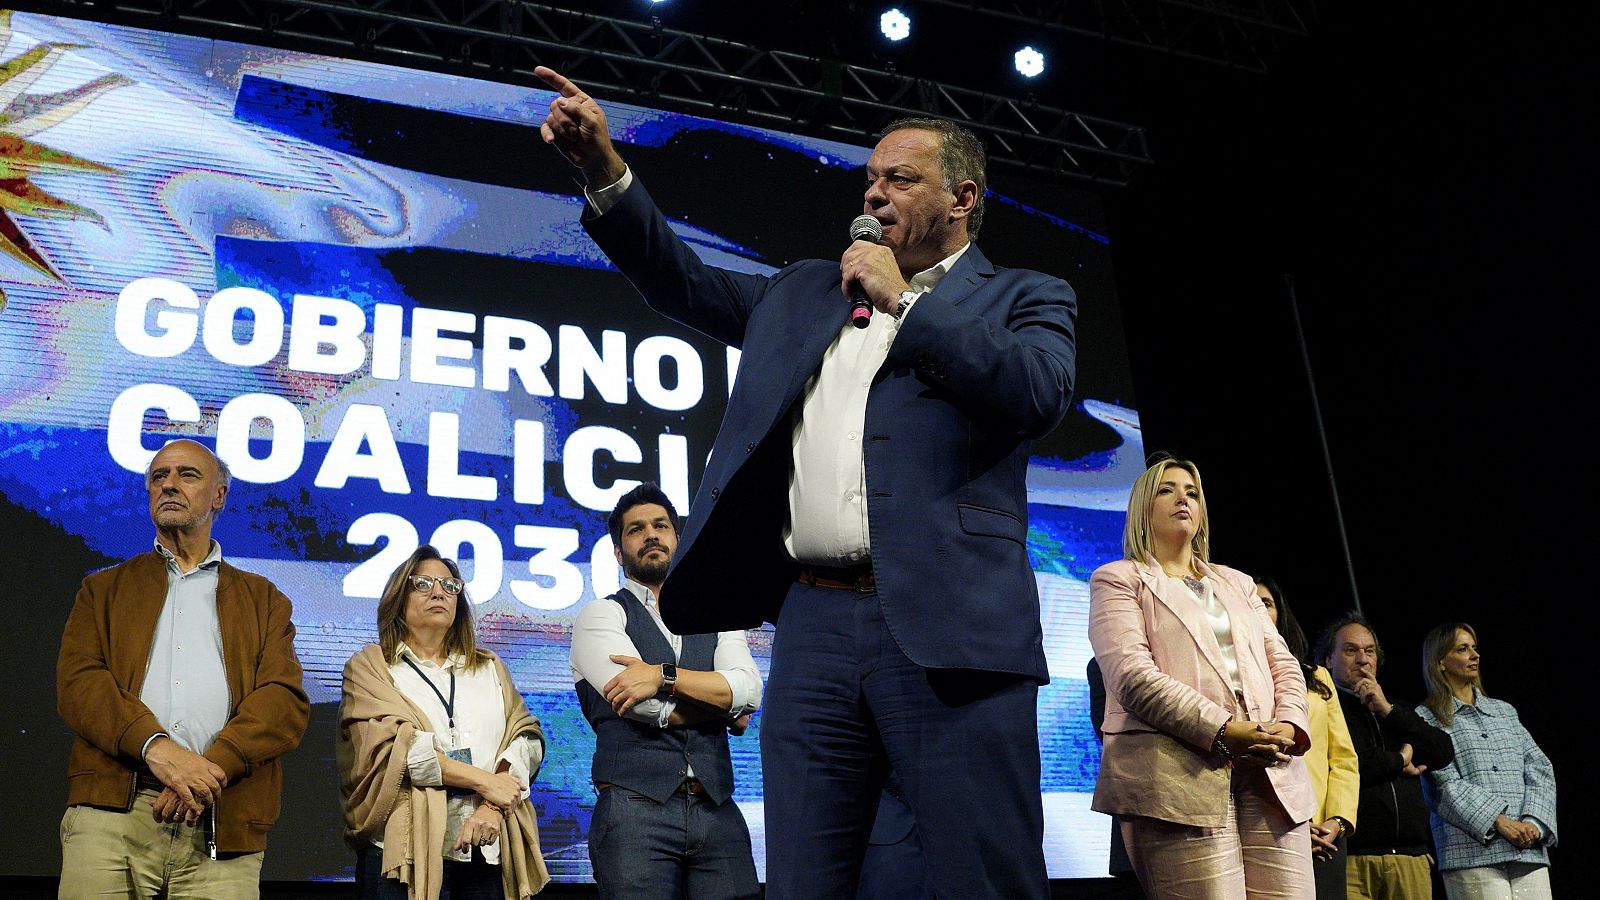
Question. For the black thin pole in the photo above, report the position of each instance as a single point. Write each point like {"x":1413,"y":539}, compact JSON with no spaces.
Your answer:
{"x":1322,"y":438}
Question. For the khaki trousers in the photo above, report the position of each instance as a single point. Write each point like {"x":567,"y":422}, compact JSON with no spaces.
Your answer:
{"x":105,"y":853}
{"x":1388,"y":876}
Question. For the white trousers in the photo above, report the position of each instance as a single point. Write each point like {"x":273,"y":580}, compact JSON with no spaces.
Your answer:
{"x":1507,"y":881}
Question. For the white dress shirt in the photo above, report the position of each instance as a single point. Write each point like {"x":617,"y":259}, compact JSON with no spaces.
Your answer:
{"x":828,"y":480}
{"x":1221,"y":626}
{"x":601,"y":630}
{"x":480,"y":726}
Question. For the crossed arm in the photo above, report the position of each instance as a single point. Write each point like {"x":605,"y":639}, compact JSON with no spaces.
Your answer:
{"x":604,"y":656}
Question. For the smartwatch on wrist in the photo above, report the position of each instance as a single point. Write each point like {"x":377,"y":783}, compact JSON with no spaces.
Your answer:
{"x":669,"y":678}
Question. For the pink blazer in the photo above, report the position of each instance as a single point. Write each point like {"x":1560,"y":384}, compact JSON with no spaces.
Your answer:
{"x":1167,"y":693}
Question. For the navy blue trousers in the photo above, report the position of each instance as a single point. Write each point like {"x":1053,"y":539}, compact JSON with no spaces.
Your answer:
{"x":842,"y":705}
{"x":688,"y":848}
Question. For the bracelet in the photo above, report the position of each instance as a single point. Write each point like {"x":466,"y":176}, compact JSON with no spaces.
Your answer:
{"x":1219,"y":746}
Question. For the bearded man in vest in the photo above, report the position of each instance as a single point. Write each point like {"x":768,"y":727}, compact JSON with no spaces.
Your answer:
{"x":662,"y":706}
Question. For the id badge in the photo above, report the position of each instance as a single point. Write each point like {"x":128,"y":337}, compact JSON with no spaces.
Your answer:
{"x":460,"y":755}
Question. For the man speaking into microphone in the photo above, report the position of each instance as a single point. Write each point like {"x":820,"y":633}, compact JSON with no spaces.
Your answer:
{"x":867,"y":495}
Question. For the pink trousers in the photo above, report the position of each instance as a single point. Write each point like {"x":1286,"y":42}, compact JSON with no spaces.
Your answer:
{"x":1258,"y":852}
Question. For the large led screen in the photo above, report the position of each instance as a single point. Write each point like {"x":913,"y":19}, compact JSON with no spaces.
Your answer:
{"x":366,"y":286}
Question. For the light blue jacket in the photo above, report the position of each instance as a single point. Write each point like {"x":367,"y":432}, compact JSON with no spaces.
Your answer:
{"x":1498,"y":769}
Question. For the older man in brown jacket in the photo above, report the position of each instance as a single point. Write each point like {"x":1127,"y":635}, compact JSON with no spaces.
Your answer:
{"x":178,"y":674}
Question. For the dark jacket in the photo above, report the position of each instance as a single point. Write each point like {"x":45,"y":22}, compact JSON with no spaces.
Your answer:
{"x":105,"y":651}
{"x":1392,"y":814}
{"x":981,"y":364}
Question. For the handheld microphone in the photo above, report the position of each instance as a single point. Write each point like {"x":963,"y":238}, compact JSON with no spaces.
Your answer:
{"x":864,"y":228}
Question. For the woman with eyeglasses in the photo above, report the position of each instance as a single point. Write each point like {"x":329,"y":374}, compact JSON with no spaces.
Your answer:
{"x":1493,"y":810}
{"x":436,"y":751}
{"x":1205,"y":710}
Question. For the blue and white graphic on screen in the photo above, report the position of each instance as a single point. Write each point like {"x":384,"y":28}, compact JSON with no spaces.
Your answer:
{"x":368,"y":288}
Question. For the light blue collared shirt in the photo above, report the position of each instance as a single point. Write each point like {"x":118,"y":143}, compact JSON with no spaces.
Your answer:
{"x":185,"y":684}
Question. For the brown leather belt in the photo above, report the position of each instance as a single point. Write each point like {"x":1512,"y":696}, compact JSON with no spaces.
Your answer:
{"x":851,"y":578}
{"x":149,"y":782}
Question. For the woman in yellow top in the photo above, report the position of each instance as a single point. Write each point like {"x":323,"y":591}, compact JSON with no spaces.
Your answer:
{"x":1331,"y":761}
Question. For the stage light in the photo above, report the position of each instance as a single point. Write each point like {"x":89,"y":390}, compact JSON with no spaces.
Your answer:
{"x":895,"y":24}
{"x":1030,"y":62}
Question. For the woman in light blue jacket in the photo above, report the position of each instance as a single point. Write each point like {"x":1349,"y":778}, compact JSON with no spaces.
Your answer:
{"x":1494,"y":807}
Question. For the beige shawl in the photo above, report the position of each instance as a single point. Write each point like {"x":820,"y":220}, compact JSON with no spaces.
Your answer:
{"x":376,"y":726}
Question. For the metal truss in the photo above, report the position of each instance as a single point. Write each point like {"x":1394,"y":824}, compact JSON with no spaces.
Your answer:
{"x":1238,"y":34}
{"x":645,"y":63}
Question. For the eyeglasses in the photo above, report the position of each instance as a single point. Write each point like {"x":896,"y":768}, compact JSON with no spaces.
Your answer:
{"x":425,"y":583}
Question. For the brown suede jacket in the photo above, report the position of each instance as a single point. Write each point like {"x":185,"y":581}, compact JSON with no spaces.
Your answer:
{"x":105,"y":651}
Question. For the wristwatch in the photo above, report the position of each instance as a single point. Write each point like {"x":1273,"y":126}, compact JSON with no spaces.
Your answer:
{"x":669,"y":678}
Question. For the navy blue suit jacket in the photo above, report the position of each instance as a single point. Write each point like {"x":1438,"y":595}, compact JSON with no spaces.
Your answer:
{"x":981,"y":364}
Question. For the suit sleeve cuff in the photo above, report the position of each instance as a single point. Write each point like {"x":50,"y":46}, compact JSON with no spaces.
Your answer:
{"x":1302,"y":741}
{"x":602,"y":199}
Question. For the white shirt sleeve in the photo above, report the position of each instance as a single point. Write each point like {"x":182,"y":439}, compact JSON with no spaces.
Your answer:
{"x":422,"y":761}
{"x":604,"y":198}
{"x":524,"y":756}
{"x":734,"y":662}
{"x":599,"y":633}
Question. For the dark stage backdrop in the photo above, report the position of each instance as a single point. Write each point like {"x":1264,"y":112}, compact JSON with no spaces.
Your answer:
{"x":367,"y":287}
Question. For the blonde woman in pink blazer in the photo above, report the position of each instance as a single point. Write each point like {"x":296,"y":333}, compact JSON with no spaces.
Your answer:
{"x":1205,"y":710}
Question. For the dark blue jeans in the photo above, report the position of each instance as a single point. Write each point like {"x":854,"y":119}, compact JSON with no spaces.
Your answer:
{"x":688,"y":848}
{"x":843,"y":705}
{"x":476,"y":880}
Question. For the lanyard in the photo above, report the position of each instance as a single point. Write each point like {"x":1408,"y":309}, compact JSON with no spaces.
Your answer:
{"x":449,"y":705}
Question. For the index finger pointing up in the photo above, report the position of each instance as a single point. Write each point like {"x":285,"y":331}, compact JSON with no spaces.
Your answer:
{"x":559,"y":82}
